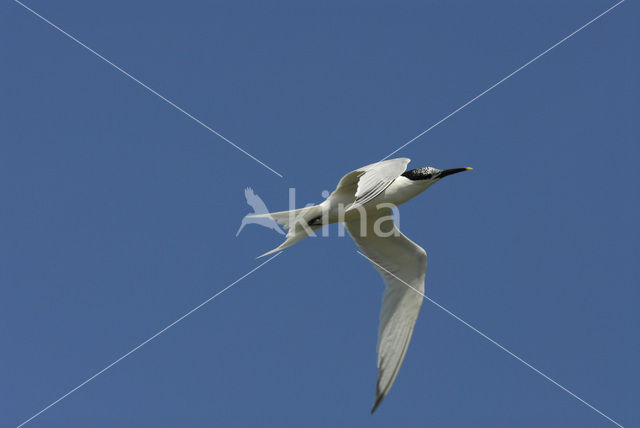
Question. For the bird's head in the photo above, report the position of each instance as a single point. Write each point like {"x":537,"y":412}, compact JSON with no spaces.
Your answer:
{"x":429,"y":175}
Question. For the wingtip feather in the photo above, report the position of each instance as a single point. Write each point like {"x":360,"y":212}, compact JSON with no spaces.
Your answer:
{"x":377,"y":401}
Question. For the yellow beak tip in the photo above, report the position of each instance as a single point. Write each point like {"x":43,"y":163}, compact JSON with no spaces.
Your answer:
{"x":468,"y":168}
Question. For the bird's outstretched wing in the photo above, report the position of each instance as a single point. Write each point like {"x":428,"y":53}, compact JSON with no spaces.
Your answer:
{"x":254,"y":201}
{"x":402,"y":264}
{"x":371,"y":180}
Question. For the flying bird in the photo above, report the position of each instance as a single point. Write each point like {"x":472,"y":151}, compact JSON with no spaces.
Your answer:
{"x":255,"y":202}
{"x":363,"y":200}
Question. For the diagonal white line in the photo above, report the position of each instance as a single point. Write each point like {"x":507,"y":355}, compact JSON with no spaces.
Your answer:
{"x":493,"y":341}
{"x":149,"y":339}
{"x":163,"y":98}
{"x":503,"y":79}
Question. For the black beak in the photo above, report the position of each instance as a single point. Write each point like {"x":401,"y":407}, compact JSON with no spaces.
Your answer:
{"x":452,"y":171}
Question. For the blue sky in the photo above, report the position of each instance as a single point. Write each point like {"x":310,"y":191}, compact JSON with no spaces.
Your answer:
{"x":119,"y":213}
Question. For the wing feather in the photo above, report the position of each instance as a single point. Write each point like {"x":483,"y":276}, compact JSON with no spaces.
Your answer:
{"x":402,"y":265}
{"x":371,"y":180}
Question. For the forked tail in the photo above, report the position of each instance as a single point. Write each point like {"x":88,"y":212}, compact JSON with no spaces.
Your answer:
{"x":295,"y":222}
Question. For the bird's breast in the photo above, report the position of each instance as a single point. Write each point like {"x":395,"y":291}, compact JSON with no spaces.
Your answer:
{"x":400,"y":191}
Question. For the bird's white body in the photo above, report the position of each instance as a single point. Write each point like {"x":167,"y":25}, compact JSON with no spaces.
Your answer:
{"x":363,"y":200}
{"x":399,"y":191}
